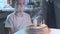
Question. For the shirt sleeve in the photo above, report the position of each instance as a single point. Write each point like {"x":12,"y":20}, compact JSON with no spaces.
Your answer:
{"x":8,"y":23}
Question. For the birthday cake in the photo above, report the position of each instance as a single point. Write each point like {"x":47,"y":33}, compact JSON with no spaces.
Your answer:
{"x":42,"y":29}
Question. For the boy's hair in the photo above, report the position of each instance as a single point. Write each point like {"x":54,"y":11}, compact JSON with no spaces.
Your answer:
{"x":16,"y":1}
{"x":19,"y":0}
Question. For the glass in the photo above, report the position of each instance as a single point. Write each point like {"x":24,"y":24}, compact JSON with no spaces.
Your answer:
{"x":38,"y":21}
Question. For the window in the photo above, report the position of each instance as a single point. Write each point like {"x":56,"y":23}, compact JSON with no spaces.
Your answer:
{"x":3,"y":1}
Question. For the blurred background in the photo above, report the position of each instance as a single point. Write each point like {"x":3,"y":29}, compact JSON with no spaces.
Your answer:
{"x":48,"y":9}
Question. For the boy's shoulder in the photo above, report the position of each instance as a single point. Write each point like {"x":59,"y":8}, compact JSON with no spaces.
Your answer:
{"x":10,"y":15}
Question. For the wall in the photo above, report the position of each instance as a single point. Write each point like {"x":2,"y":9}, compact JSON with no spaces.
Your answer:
{"x":57,"y":12}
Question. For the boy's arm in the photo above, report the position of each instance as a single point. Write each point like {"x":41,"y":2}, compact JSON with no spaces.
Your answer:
{"x":9,"y":25}
{"x":11,"y":31}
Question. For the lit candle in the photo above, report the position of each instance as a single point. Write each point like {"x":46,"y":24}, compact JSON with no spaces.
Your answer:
{"x":43,"y":21}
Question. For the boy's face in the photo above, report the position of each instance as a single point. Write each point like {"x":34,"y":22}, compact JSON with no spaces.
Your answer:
{"x":19,"y":5}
